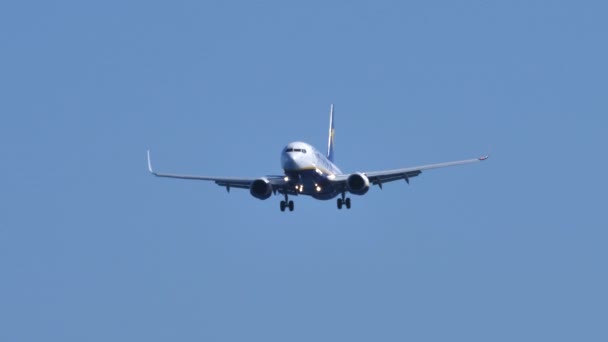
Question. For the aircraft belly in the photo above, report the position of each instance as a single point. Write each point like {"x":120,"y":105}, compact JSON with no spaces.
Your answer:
{"x":311,"y":180}
{"x":325,"y":195}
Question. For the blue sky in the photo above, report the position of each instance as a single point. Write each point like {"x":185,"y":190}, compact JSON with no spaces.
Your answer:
{"x":92,"y":248}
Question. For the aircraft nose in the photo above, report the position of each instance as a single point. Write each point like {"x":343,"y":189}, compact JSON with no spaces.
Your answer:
{"x":289,"y":162}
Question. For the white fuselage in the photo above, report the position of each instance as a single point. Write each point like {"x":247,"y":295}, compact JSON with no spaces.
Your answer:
{"x":309,"y":171}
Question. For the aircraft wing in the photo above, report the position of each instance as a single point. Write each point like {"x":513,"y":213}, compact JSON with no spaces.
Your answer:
{"x":228,"y":182}
{"x":380,"y":177}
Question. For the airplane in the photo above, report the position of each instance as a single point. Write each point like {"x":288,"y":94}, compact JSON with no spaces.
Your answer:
{"x":309,"y":172}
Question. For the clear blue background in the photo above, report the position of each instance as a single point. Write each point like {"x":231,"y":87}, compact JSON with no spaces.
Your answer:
{"x":93,"y":248}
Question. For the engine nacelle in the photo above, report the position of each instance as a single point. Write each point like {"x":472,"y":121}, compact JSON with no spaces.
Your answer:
{"x":357,"y":183}
{"x":261,"y":188}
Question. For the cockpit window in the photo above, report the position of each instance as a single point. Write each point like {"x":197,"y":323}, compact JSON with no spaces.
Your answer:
{"x":303,"y":151}
{"x":289,"y":150}
{"x":295,"y":150}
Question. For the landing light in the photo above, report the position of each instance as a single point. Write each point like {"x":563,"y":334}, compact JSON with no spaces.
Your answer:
{"x":286,"y":179}
{"x":318,"y":188}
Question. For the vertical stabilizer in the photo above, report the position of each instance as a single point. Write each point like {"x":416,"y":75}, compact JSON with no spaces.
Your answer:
{"x":330,"y":143}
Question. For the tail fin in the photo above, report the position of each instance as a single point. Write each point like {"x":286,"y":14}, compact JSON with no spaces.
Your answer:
{"x":330,"y":142}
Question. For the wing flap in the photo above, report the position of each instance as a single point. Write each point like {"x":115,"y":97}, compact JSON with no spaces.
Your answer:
{"x":379,"y":179}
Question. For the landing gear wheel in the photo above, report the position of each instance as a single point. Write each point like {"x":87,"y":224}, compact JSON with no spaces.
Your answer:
{"x":282,"y":205}
{"x":340,"y":203}
{"x":347,"y":202}
{"x":290,"y":205}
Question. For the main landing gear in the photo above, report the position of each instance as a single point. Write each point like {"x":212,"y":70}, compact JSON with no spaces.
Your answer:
{"x":287,"y":204}
{"x":343,"y":201}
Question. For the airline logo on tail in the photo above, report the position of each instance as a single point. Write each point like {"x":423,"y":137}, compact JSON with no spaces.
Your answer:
{"x":330,"y":143}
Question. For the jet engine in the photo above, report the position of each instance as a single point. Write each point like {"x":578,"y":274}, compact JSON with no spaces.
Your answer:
{"x":357,"y":183}
{"x":261,"y":188}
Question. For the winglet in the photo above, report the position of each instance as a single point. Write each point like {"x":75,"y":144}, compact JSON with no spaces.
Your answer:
{"x":150,"y":164}
{"x":487,"y":155}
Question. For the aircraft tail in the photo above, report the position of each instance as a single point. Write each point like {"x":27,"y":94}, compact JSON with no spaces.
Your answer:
{"x":330,"y":142}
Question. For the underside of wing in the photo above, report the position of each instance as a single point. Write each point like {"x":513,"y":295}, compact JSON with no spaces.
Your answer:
{"x":228,"y":182}
{"x":380,"y":177}
{"x":391,"y":175}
